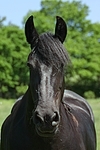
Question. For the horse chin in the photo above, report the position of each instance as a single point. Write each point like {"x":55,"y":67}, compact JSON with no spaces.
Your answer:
{"x":46,"y":133}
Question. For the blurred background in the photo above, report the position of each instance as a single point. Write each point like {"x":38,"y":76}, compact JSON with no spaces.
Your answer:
{"x":82,"y":43}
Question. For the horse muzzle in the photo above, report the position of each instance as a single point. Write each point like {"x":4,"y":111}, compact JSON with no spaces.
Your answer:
{"x":46,"y":125}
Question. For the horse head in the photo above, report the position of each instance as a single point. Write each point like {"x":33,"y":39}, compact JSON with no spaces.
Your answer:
{"x":46,"y":63}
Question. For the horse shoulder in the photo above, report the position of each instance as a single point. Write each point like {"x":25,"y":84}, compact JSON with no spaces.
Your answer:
{"x":81,"y":118}
{"x":16,"y":105}
{"x":75,"y":101}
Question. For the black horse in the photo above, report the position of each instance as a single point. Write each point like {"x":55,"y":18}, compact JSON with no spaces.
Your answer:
{"x":48,"y":117}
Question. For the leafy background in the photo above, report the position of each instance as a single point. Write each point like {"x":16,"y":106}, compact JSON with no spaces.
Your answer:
{"x":82,"y":44}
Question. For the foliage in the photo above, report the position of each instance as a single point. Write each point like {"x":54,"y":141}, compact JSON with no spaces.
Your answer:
{"x":83,"y":43}
{"x":2,"y":19}
{"x":13,"y":56}
{"x":89,"y":95}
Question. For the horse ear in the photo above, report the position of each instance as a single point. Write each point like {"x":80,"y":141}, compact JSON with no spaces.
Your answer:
{"x":60,"y":29}
{"x":30,"y":32}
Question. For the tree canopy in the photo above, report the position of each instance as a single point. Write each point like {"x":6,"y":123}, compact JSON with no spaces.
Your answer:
{"x":13,"y":56}
{"x":82,"y":43}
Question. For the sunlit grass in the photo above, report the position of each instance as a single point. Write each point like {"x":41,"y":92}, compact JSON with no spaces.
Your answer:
{"x":95,"y":104}
{"x":5,"y":108}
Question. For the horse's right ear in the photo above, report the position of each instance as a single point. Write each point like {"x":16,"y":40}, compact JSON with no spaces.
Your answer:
{"x":30,"y":32}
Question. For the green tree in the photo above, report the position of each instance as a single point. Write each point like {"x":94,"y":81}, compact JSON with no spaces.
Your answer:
{"x":13,"y":57}
{"x":2,"y":19}
{"x":83,"y":41}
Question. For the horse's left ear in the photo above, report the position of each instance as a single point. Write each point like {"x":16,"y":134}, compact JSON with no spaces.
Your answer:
{"x":30,"y":32}
{"x":60,"y":29}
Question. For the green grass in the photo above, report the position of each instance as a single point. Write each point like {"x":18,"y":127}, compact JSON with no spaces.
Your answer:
{"x":95,"y":104}
{"x":5,"y":108}
{"x":6,"y":105}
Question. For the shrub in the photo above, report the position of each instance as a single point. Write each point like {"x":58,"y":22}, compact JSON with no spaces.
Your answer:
{"x":89,"y":95}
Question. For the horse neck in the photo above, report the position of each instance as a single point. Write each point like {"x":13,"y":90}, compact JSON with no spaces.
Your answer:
{"x":66,"y":118}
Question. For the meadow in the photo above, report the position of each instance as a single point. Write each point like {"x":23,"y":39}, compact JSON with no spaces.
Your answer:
{"x":6,"y":105}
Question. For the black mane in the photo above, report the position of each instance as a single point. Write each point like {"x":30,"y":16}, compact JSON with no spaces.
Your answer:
{"x":50,"y":51}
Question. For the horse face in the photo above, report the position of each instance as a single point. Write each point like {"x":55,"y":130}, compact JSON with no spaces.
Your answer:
{"x":46,"y":85}
{"x":46,"y":63}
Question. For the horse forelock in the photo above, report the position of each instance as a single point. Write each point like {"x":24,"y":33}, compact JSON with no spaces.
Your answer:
{"x":50,"y":50}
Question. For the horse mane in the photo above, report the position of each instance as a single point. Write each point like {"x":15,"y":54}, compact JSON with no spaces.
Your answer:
{"x":50,"y":51}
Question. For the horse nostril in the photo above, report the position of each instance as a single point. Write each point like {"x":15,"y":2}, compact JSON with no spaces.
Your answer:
{"x":38,"y":119}
{"x":47,"y":119}
{"x":55,"y":119}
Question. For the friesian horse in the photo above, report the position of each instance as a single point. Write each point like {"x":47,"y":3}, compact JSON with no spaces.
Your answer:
{"x":48,"y":117}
